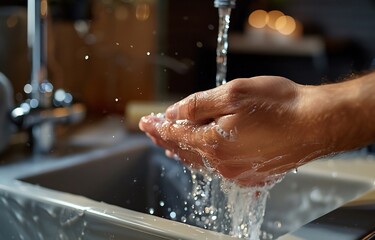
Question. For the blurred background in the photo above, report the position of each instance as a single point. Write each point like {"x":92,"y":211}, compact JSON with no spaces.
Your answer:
{"x":109,"y":53}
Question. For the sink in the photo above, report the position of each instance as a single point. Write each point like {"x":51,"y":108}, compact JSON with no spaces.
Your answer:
{"x":104,"y":183}
{"x":103,"y":196}
{"x":135,"y":180}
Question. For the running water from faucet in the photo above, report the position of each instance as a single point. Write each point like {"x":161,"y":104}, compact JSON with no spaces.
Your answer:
{"x":222,"y":46}
{"x":216,"y":203}
{"x":219,"y":204}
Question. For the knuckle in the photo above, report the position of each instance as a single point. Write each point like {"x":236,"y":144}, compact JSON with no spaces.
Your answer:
{"x":237,"y":85}
{"x":213,"y":143}
{"x":194,"y":102}
{"x":235,"y":90}
{"x":192,"y":106}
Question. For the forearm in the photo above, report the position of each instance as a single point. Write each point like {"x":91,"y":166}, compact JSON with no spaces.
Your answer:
{"x":362,"y":109}
{"x":345,"y":113}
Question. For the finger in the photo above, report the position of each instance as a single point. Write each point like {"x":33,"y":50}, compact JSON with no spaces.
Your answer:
{"x":188,"y":157}
{"x":150,"y":124}
{"x":190,"y":136}
{"x":204,"y":106}
{"x":182,"y":139}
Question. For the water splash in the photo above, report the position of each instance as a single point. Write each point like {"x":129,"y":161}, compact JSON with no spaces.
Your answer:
{"x":216,"y":203}
{"x":221,"y":205}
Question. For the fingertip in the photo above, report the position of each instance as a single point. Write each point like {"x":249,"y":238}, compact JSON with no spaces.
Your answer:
{"x":150,"y":124}
{"x":169,"y":153}
{"x":141,"y":124}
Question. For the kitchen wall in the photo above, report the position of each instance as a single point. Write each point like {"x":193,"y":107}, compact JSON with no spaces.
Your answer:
{"x":113,"y":62}
{"x":166,"y":49}
{"x":104,"y":61}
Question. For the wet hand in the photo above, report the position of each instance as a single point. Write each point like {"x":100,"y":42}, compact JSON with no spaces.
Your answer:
{"x":249,"y":130}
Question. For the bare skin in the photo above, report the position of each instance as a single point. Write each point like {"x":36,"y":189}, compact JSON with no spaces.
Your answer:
{"x":253,"y":130}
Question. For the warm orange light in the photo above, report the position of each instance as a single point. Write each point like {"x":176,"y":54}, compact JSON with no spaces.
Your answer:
{"x":142,"y":12}
{"x":286,"y":25}
{"x":272,"y":17}
{"x":43,"y":8}
{"x":258,"y":19}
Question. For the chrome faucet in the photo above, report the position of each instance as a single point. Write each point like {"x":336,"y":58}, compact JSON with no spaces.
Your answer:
{"x":40,"y":89}
{"x":44,"y":107}
{"x":224,"y":3}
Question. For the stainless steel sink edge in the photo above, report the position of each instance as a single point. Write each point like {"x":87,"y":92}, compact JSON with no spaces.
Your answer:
{"x":117,"y":219}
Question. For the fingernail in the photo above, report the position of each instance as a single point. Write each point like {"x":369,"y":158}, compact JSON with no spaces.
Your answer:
{"x":171,"y":112}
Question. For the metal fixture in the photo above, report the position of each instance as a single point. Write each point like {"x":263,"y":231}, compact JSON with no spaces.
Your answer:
{"x":224,"y":3}
{"x":44,"y":106}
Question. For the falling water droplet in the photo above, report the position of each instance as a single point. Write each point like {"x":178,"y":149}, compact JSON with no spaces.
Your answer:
{"x":278,"y":224}
{"x":173,"y":215}
{"x":151,"y":211}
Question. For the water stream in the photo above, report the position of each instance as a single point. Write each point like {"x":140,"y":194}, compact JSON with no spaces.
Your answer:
{"x":219,"y":204}
{"x":222,"y":46}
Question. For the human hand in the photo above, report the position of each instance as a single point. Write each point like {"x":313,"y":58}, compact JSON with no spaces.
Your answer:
{"x":249,"y":130}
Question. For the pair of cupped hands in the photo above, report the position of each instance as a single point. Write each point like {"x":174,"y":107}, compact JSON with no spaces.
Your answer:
{"x":249,"y":130}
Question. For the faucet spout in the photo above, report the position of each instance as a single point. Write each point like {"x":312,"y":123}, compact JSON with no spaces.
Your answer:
{"x":224,"y":3}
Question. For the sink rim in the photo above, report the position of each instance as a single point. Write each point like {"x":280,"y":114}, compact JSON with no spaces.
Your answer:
{"x":123,"y":217}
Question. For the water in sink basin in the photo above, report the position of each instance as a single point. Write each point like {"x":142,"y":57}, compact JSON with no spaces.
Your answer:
{"x":144,"y":180}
